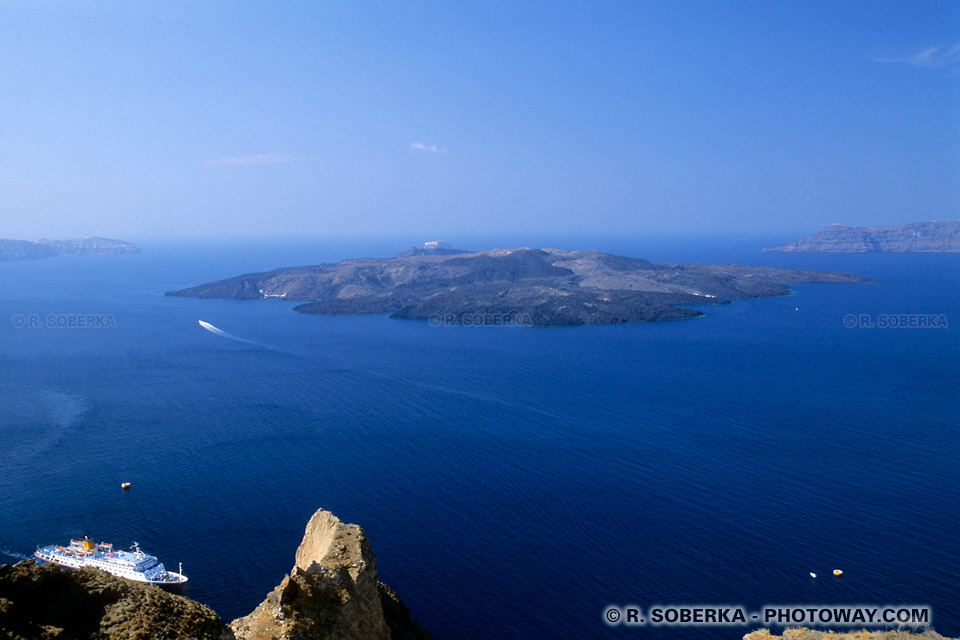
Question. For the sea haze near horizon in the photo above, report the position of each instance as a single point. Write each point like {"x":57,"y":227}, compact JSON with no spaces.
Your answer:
{"x":513,"y":481}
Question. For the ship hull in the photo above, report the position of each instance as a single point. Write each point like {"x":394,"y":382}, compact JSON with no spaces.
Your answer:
{"x":175,"y":586}
{"x":40,"y":560}
{"x":169,"y":587}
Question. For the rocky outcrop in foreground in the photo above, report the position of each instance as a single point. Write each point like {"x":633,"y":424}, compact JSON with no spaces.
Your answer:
{"x":927,"y":237}
{"x":45,"y":602}
{"x":331,"y":593}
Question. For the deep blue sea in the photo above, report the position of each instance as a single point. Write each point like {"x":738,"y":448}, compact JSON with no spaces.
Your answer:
{"x":513,"y":481}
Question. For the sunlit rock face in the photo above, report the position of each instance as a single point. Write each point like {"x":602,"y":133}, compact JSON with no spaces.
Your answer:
{"x":331,"y":592}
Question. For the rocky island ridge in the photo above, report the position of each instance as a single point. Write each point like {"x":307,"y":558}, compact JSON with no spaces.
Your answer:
{"x":937,"y":236}
{"x":539,"y":287}
{"x":90,"y":246}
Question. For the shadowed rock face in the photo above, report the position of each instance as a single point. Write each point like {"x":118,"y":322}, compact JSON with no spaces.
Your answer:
{"x":45,"y":602}
{"x":540,"y":287}
{"x":331,"y":592}
{"x":937,"y":236}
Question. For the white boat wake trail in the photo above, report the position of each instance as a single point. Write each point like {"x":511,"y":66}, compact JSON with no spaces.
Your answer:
{"x":13,"y":554}
{"x":223,"y":334}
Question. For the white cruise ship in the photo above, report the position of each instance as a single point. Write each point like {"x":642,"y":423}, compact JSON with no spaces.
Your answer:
{"x":133,"y":565}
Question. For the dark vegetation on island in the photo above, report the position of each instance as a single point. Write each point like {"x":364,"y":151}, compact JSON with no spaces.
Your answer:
{"x":539,"y":287}
{"x":94,"y":246}
{"x":926,"y":237}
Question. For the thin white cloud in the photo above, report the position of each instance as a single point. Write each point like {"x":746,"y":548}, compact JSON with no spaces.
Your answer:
{"x":432,"y":148}
{"x":254,"y":158}
{"x":935,"y":57}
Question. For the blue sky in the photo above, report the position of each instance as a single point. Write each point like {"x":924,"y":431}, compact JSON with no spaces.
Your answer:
{"x":157,"y":119}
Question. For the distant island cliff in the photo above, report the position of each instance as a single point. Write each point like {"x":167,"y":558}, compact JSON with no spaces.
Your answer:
{"x":937,"y":236}
{"x":93,"y":246}
{"x":539,"y":287}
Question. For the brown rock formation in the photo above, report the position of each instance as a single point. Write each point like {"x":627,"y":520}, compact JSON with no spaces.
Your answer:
{"x":45,"y":602}
{"x":331,"y":592}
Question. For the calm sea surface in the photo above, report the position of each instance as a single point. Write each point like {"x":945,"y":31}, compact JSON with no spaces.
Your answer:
{"x":513,"y":481}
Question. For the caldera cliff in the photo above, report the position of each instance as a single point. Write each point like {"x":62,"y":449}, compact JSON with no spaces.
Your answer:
{"x":91,"y":246}
{"x":937,"y":236}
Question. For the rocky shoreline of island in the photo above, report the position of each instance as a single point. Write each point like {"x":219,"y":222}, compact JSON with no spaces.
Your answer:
{"x":536,"y":287}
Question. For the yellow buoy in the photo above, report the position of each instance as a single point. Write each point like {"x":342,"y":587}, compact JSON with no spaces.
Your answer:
{"x":125,"y":485}
{"x":837,"y":572}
